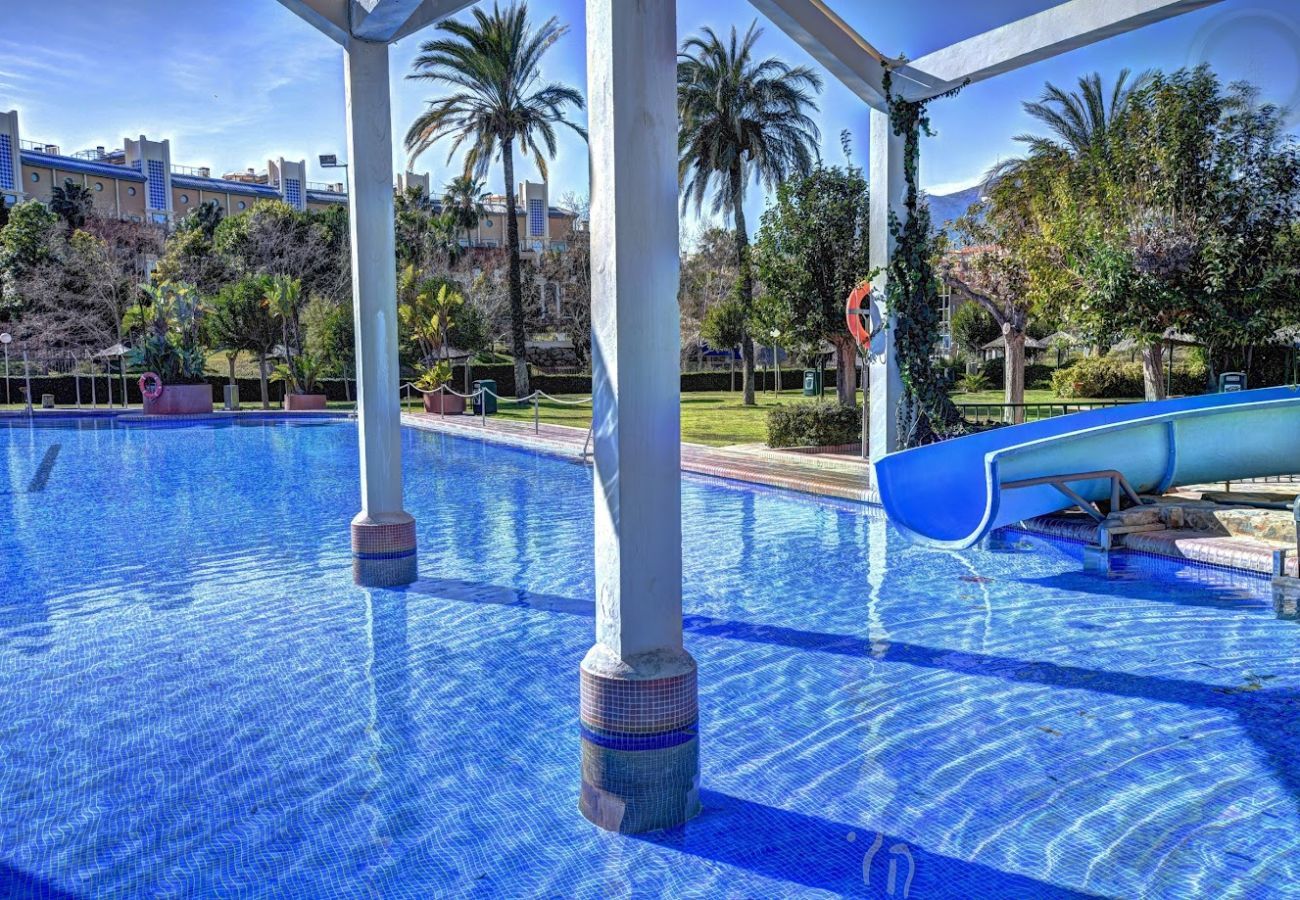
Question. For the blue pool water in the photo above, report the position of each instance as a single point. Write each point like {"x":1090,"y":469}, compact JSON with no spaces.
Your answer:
{"x":196,"y":701}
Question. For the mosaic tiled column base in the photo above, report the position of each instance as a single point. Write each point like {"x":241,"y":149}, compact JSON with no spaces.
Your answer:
{"x":1286,"y":598}
{"x":640,"y":746}
{"x":383,"y":553}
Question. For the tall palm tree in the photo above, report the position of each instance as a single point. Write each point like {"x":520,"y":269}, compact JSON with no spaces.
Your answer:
{"x":742,"y":119}
{"x":492,"y":67}
{"x":1077,"y":121}
{"x":463,"y":199}
{"x":73,"y":203}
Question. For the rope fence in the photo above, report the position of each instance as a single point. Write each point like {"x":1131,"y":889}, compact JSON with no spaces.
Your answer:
{"x":481,"y":393}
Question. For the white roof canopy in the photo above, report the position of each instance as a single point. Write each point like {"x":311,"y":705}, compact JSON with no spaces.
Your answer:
{"x":1060,"y":29}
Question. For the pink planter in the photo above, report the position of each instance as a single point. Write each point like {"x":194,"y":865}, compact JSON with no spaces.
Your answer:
{"x":180,"y":400}
{"x":444,"y":403}
{"x":304,"y":401}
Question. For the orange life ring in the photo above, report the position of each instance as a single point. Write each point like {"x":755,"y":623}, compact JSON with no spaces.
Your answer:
{"x":151,"y":385}
{"x":857,"y":314}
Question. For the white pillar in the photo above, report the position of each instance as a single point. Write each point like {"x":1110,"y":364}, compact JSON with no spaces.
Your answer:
{"x":383,"y":534}
{"x":639,"y":711}
{"x":887,"y":188}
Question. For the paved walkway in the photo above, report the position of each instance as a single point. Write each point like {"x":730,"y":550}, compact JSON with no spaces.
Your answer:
{"x":827,"y":475}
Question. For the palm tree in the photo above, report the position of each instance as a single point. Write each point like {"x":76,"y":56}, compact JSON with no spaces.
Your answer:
{"x":742,"y":119}
{"x":283,"y":298}
{"x":1077,"y":121}
{"x":492,"y":67}
{"x":72,"y":203}
{"x":463,"y":198}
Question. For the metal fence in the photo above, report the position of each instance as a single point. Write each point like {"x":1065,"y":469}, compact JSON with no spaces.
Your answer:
{"x":99,"y":380}
{"x":1004,"y":412}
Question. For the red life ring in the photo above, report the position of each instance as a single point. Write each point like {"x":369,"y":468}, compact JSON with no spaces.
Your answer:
{"x":857,"y":314}
{"x":151,"y":385}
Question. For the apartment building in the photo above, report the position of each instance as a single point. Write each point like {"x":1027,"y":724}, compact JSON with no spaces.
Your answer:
{"x":139,"y":182}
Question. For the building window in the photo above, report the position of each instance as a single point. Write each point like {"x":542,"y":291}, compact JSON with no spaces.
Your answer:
{"x":293,"y":192}
{"x":36,"y":176}
{"x":130,"y":192}
{"x":99,"y":185}
{"x":6,"y":163}
{"x":242,"y":204}
{"x":487,"y":223}
{"x":157,"y":184}
{"x":945,"y":306}
{"x":536,"y":218}
{"x":185,"y":198}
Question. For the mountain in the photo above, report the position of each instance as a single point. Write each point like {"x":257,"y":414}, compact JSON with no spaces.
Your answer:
{"x":946,"y":207}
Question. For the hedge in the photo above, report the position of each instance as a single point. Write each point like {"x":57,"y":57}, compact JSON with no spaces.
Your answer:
{"x":64,"y":387}
{"x":1037,"y":375}
{"x":813,"y":424}
{"x":504,"y":376}
{"x":1108,"y":378}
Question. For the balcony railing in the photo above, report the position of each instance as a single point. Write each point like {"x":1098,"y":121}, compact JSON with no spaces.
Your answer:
{"x":39,"y":147}
{"x":193,"y":171}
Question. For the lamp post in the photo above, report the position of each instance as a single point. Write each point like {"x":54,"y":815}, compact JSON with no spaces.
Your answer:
{"x":776,"y":363}
{"x":331,"y":161}
{"x":5,"y":339}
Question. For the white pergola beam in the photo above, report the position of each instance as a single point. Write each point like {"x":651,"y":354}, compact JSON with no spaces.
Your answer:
{"x":829,"y":40}
{"x":377,"y":21}
{"x":1032,"y":39}
{"x":330,"y":17}
{"x":427,"y":13}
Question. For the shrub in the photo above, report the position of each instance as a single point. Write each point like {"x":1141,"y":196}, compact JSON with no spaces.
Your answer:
{"x":1037,"y":375}
{"x":972,"y":383}
{"x":1109,"y":378}
{"x":813,"y":425}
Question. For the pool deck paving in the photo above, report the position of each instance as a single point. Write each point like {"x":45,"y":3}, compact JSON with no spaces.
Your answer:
{"x":1180,"y":526}
{"x":828,"y":475}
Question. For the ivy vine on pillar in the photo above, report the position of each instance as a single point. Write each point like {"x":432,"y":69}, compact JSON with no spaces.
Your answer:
{"x":926,"y":413}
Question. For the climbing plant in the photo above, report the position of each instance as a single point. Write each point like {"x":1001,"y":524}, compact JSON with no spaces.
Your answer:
{"x":926,"y":413}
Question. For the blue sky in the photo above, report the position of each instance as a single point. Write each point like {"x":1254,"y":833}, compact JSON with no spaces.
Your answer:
{"x":235,"y":82}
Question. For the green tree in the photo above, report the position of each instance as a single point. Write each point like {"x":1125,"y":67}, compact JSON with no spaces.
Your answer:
{"x":463,"y":199}
{"x":1185,"y":222}
{"x":27,"y":242}
{"x":708,"y":277}
{"x":240,"y":319}
{"x":1078,"y":122}
{"x":811,"y":252}
{"x":426,"y":238}
{"x":169,"y":333}
{"x":492,"y":66}
{"x":972,"y":328}
{"x":742,"y":119}
{"x":73,"y":203}
{"x":203,"y":218}
{"x":331,"y":334}
{"x":426,"y":311}
{"x":726,"y":324}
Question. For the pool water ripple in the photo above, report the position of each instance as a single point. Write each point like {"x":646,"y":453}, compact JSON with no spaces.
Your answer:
{"x":196,"y":701}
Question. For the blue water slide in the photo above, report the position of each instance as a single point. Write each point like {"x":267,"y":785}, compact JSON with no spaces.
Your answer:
{"x":953,"y":493}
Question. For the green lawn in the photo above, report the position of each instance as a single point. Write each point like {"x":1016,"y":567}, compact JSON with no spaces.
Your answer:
{"x":716,"y":418}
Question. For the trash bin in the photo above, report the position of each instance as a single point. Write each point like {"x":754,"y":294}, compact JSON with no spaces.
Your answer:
{"x":490,"y":399}
{"x":1231,"y":382}
{"x":812,"y":382}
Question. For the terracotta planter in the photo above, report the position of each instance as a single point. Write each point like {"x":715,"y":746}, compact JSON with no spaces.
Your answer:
{"x":304,"y":401}
{"x":180,"y":400}
{"x":444,"y":403}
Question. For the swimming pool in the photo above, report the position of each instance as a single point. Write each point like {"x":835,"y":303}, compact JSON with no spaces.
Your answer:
{"x":196,"y":701}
